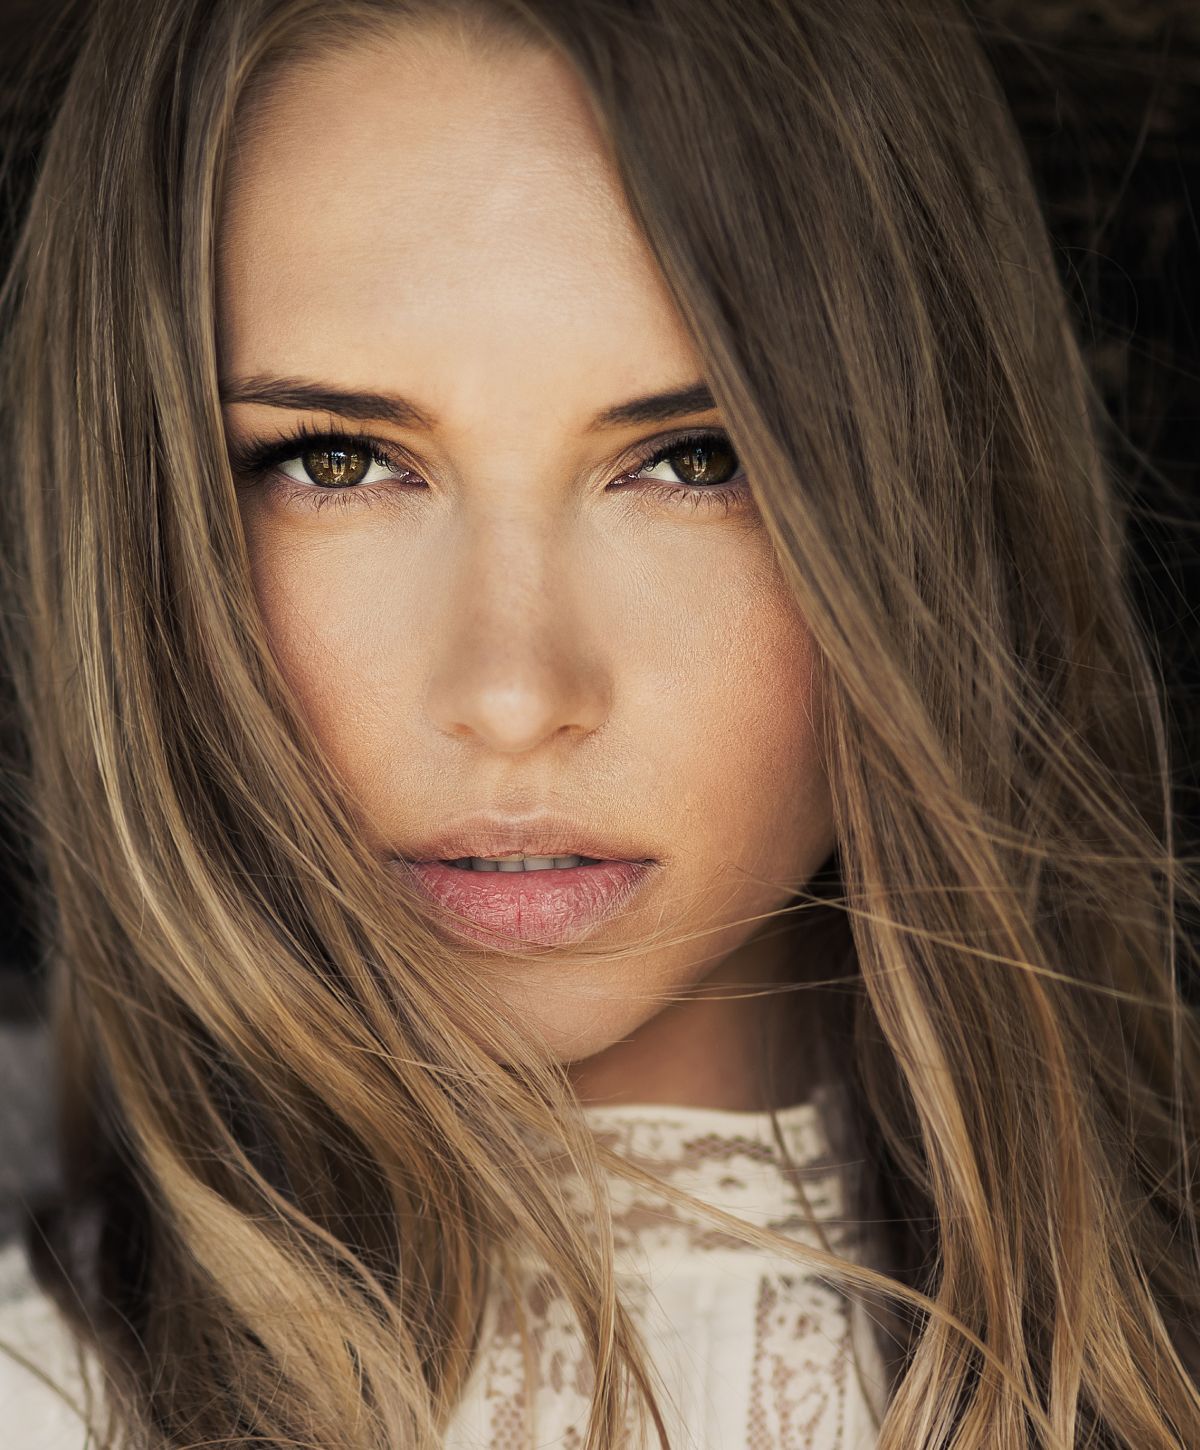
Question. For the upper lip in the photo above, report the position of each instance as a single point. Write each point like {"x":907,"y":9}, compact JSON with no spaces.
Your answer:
{"x":544,"y":835}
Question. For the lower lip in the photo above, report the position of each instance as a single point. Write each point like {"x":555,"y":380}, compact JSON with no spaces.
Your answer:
{"x":542,"y":908}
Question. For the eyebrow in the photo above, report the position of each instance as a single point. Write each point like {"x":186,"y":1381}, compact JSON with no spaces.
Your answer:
{"x":298,"y":393}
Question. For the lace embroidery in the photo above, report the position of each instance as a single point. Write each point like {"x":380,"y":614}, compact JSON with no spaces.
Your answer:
{"x":790,"y":1328}
{"x":798,"y":1385}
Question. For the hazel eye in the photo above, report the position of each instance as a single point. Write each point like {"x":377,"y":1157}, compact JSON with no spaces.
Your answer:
{"x":704,"y":462}
{"x":334,"y":465}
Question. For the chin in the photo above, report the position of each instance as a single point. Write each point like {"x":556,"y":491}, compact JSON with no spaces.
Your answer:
{"x":578,"y":1034}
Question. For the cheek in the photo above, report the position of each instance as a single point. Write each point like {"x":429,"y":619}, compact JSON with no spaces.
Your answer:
{"x":753,"y":784}
{"x":332,"y":631}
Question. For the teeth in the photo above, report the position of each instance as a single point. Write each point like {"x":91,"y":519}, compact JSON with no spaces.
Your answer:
{"x":521,"y":863}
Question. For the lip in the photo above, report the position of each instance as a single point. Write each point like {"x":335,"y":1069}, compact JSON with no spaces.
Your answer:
{"x":547,"y":907}
{"x":530,"y":835}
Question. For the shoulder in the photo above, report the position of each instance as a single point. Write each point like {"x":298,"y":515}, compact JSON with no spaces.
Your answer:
{"x":38,"y":1364}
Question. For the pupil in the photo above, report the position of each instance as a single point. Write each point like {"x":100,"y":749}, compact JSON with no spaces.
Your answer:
{"x":697,"y":459}
{"x":334,"y":467}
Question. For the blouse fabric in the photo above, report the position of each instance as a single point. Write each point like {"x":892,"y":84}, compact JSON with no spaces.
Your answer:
{"x":749,"y":1349}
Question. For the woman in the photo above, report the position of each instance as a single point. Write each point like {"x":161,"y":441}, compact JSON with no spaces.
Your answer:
{"x":640,"y":452}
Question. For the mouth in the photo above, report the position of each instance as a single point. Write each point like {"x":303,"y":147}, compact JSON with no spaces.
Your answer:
{"x":565,"y":861}
{"x":541,"y":901}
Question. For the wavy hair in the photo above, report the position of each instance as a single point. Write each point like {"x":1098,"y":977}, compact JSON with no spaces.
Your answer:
{"x":299,"y":1131}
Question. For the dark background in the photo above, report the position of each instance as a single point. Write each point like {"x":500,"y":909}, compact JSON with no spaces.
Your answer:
{"x":1107,"y":96}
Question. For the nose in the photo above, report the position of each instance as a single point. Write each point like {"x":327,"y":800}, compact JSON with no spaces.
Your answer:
{"x":517,"y":664}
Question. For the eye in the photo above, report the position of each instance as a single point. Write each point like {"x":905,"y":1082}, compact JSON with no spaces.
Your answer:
{"x":327,"y":469}
{"x":338,"y":463}
{"x":699,"y":460}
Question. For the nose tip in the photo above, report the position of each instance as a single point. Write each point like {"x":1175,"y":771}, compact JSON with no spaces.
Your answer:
{"x":516,"y":721}
{"x":516,"y":696}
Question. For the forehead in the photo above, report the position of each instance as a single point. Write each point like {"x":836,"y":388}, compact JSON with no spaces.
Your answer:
{"x":409,"y":193}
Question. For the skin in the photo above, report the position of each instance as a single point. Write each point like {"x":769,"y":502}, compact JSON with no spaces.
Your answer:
{"x":528,"y":632}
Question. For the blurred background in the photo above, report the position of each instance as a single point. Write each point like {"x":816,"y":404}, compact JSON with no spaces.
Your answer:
{"x":1107,"y":96}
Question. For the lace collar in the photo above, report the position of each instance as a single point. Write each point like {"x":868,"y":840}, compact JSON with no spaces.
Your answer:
{"x":725,"y":1158}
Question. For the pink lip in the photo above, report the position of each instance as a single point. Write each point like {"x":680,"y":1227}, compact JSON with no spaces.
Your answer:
{"x":544,"y":908}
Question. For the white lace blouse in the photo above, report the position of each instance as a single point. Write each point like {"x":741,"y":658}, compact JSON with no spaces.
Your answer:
{"x":749,"y":1351}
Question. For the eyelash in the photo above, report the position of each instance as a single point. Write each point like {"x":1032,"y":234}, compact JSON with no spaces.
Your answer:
{"x":256,"y":461}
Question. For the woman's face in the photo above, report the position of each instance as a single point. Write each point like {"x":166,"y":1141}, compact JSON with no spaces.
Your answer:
{"x":513,"y":613}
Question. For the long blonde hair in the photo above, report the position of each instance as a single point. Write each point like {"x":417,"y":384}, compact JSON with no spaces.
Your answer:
{"x":295,"y":1122}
